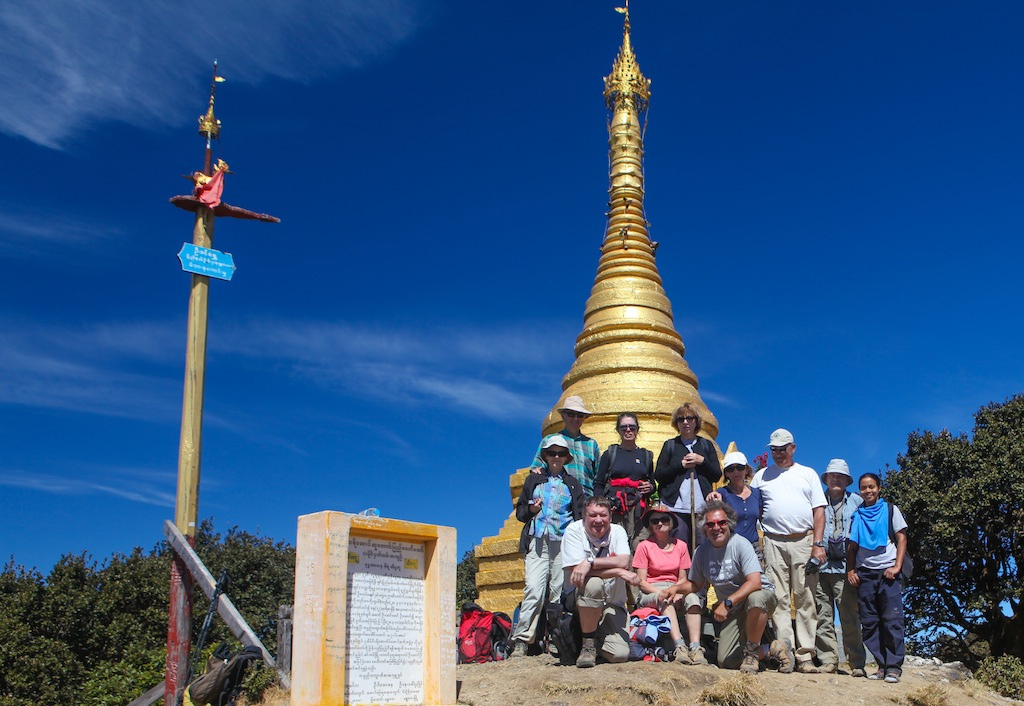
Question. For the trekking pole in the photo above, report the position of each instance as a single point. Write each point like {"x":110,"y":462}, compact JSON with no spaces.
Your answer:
{"x":222,"y":584}
{"x":693,"y":513}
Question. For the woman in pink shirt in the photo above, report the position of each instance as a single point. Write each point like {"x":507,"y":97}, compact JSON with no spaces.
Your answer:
{"x":662,"y":561}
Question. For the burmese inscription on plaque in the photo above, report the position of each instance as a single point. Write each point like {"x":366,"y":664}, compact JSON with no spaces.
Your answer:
{"x":385,"y":632}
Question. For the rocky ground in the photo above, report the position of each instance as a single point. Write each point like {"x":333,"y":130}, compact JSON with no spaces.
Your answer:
{"x":540,"y":681}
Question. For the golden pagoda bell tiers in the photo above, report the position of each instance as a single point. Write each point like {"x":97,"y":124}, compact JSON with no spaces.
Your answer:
{"x":629,"y":357}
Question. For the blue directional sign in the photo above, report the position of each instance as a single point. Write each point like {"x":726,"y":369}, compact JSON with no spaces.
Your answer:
{"x":206,"y":261}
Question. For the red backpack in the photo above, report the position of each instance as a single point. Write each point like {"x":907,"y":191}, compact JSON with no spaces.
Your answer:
{"x":483,"y":635}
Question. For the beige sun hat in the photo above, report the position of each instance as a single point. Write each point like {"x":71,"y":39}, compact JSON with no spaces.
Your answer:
{"x":574,"y":403}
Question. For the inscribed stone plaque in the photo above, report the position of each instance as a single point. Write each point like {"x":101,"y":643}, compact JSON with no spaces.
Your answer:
{"x":385,"y":621}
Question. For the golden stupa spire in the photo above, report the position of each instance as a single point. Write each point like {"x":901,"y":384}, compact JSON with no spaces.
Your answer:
{"x":629,"y":356}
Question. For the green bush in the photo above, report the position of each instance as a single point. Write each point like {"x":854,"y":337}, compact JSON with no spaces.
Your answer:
{"x":260,"y":678}
{"x":1004,"y":675}
{"x":109,"y":683}
{"x":465,"y":580}
{"x":97,"y":634}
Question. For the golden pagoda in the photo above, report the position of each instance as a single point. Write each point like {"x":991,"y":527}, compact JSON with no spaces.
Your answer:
{"x":629,"y":356}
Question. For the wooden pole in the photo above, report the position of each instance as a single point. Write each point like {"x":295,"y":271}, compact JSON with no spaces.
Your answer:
{"x":284,"y":639}
{"x":190,"y":447}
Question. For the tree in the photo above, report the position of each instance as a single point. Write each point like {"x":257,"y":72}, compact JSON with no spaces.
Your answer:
{"x":465,"y":580}
{"x":965,"y":510}
{"x":97,"y":635}
{"x":262,"y":578}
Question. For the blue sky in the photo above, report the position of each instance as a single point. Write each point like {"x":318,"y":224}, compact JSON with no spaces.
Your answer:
{"x":836,"y":187}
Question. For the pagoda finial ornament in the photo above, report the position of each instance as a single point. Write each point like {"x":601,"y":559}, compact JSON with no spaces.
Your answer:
{"x":625,"y":83}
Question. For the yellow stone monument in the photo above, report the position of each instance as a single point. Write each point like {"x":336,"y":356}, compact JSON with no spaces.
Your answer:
{"x":374,"y":618}
{"x":629,"y":357}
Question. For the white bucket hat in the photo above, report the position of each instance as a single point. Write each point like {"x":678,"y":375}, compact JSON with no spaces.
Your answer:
{"x":574,"y":403}
{"x":838,"y":465}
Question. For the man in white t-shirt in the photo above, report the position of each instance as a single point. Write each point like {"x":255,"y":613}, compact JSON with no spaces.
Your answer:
{"x":595,"y":558}
{"x":793,"y":520}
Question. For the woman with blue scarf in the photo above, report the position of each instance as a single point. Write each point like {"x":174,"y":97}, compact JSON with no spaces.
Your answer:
{"x":874,"y":561}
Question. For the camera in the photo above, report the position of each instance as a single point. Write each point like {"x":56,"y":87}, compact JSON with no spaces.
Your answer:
{"x":837,"y":550}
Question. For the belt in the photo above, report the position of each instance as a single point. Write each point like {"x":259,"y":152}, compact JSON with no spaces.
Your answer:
{"x":798,"y":535}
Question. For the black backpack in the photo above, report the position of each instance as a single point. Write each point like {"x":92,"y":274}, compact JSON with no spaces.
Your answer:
{"x":564,"y":627}
{"x":223,"y":677}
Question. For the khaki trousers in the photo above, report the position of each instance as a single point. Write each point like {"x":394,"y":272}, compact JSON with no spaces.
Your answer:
{"x":785,"y":561}
{"x":732,"y":637}
{"x":543,"y":572}
{"x":834,"y":589}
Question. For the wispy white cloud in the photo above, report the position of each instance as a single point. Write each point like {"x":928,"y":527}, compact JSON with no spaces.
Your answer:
{"x":134,"y":369}
{"x":719,"y":399}
{"x":26,"y":233}
{"x":135,"y":484}
{"x":476,"y":370}
{"x":102,"y":369}
{"x":65,"y":64}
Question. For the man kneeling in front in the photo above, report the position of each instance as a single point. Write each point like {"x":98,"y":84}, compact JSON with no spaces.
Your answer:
{"x":595,"y":558}
{"x":745,"y":596}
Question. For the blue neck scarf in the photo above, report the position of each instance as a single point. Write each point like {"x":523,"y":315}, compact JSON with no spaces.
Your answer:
{"x":870,"y":525}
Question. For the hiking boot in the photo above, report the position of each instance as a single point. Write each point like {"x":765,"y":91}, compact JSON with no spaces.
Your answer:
{"x":782,"y":652}
{"x":682,"y":654}
{"x":858,"y":672}
{"x":519,"y":650}
{"x":807,"y":668}
{"x":831,"y":668}
{"x":892,"y":676}
{"x":697,"y":655}
{"x":751,"y":664}
{"x":588,"y":654}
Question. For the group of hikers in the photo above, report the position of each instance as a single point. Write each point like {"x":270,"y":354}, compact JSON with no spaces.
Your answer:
{"x":764,"y":546}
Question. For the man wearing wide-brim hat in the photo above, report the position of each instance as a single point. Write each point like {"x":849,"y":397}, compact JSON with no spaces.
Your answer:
{"x":584,"y":450}
{"x":833,"y":587}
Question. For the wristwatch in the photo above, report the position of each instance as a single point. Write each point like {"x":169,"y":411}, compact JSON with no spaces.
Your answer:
{"x":728,"y":603}
{"x":820,"y":543}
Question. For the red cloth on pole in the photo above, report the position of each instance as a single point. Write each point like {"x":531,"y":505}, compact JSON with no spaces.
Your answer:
{"x":210,"y":192}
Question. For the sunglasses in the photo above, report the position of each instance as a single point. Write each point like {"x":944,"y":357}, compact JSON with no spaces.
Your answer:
{"x":557,"y":454}
{"x":628,"y":427}
{"x":691,"y":420}
{"x":661,"y":521}
{"x":573,"y":415}
{"x":713,"y":524}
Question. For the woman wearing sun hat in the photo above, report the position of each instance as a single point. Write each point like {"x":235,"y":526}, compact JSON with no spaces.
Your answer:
{"x":661,"y":561}
{"x":548,"y":503}
{"x":746,"y":501}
